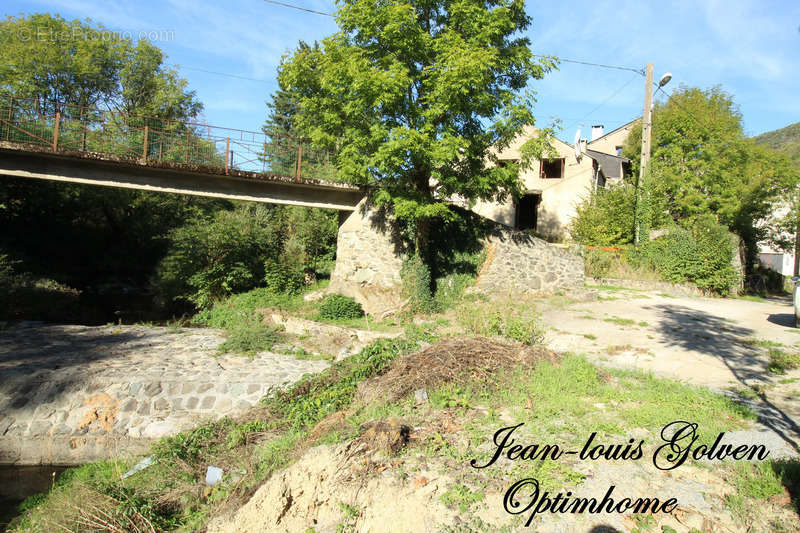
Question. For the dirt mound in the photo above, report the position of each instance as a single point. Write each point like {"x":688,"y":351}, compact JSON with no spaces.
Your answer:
{"x":455,"y":360}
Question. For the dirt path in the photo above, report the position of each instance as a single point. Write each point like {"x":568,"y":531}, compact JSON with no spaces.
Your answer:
{"x":701,"y":341}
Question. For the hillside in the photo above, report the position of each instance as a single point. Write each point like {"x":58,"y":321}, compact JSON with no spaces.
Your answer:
{"x":785,"y":140}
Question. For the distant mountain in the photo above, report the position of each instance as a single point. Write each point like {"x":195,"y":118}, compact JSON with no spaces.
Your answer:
{"x":786,"y":140}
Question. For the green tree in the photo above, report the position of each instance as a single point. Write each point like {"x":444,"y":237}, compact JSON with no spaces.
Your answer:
{"x":50,"y":59}
{"x":703,"y":164}
{"x":79,"y":234}
{"x":416,"y":97}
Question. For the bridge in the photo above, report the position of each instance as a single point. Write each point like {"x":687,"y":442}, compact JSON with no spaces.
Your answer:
{"x":62,"y":142}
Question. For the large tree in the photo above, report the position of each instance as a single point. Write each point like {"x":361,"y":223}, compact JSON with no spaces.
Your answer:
{"x":51,"y":59}
{"x":417,"y":96}
{"x":702,"y":163}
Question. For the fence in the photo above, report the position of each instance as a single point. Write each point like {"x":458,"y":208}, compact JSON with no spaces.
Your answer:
{"x":70,"y":128}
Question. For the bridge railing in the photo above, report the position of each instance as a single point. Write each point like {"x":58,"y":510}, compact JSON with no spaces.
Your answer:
{"x":69,"y":128}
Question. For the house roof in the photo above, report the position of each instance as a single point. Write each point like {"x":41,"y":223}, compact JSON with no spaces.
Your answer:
{"x":610,"y":165}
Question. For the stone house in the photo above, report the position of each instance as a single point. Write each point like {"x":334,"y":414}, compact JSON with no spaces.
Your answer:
{"x":555,"y":187}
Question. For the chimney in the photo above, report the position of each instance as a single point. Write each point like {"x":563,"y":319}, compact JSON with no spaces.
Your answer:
{"x":597,"y":132}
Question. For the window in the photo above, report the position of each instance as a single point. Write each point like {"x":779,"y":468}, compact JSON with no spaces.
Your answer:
{"x":552,"y":169}
{"x":619,"y":150}
{"x":527,"y":211}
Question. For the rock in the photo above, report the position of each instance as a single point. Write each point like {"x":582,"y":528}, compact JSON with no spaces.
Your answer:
{"x":421,"y":396}
{"x":156,"y":430}
{"x":213,"y":475}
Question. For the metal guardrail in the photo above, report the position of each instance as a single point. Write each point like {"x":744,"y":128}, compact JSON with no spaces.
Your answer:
{"x":69,"y":128}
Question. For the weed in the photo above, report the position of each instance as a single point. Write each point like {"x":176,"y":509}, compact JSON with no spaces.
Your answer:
{"x":338,"y":307}
{"x":250,"y":339}
{"x":620,"y":321}
{"x":781,"y":361}
{"x":462,"y":497}
{"x":515,"y":321}
{"x":350,"y":518}
{"x":763,"y":343}
{"x":590,"y":336}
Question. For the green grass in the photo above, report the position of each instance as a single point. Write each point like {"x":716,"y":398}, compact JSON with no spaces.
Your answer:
{"x":751,"y":298}
{"x":613,"y":288}
{"x":621,"y":321}
{"x":780,"y":361}
{"x":763,"y":343}
{"x":760,"y":481}
{"x":461,"y":497}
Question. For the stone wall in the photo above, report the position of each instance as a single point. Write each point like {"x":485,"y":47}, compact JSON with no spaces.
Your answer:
{"x":73,"y":394}
{"x":518,"y":263}
{"x":368,"y":261}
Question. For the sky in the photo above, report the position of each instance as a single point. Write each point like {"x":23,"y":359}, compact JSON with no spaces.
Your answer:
{"x":749,"y":47}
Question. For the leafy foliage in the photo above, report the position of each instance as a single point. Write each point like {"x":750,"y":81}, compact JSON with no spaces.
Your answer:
{"x":700,"y":254}
{"x":702,"y":163}
{"x":339,"y":307}
{"x":414,"y":94}
{"x":78,"y":62}
{"x":212,"y":257}
{"x":416,"y":276}
{"x":605,"y":218}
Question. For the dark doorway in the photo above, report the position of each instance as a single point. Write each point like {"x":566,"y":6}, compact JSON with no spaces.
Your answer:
{"x":527,"y":211}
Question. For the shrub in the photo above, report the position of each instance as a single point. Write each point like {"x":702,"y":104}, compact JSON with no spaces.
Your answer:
{"x":416,"y":276}
{"x":605,"y":218}
{"x":338,"y":307}
{"x":700,"y":255}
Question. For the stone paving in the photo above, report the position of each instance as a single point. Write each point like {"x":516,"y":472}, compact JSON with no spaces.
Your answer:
{"x":71,"y":394}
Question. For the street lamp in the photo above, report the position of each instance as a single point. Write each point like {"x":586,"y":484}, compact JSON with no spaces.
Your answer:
{"x":647,"y":123}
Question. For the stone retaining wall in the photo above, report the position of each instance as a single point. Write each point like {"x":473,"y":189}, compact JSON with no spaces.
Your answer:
{"x":519,"y":263}
{"x":369,"y":260}
{"x":73,"y":394}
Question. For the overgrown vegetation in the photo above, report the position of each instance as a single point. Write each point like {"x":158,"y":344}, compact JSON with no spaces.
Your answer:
{"x":338,"y":307}
{"x":701,"y":254}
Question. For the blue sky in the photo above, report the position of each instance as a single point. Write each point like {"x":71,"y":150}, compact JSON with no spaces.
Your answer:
{"x":750,"y":47}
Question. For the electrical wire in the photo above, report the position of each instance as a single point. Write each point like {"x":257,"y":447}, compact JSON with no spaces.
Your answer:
{"x":299,"y":8}
{"x":601,"y":104}
{"x":223,"y":74}
{"x":599,"y":65}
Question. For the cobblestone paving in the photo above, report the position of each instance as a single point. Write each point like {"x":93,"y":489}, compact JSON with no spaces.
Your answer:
{"x":77,"y":393}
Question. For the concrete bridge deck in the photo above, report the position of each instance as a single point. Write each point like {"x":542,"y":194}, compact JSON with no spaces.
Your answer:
{"x":38,"y":162}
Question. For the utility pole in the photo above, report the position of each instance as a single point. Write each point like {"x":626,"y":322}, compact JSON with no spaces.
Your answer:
{"x":647,"y":122}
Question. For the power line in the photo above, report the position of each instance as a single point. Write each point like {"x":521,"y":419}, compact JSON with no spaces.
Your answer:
{"x":601,"y":104}
{"x":299,"y":8}
{"x":600,"y":65}
{"x":223,"y":74}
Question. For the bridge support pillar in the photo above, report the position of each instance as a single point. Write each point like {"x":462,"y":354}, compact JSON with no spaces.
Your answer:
{"x":369,"y":255}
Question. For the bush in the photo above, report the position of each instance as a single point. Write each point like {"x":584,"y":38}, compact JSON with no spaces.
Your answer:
{"x":235,"y":251}
{"x":700,"y":255}
{"x":605,"y":218}
{"x":338,"y":307}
